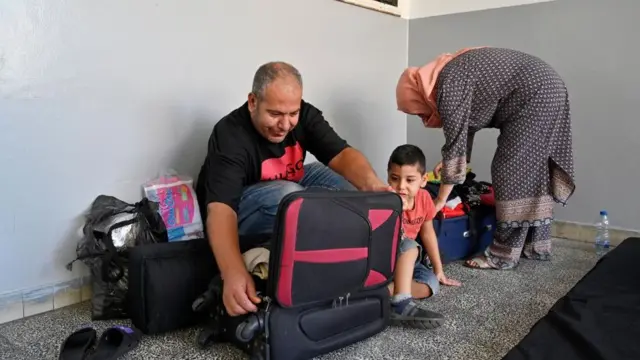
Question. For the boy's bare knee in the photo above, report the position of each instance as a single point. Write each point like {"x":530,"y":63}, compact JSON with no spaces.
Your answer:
{"x":420,"y":290}
{"x":410,"y":254}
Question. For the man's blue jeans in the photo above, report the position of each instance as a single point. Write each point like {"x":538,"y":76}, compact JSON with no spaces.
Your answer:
{"x":259,"y":202}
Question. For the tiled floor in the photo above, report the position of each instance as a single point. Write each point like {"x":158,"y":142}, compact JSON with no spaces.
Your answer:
{"x":485,"y":318}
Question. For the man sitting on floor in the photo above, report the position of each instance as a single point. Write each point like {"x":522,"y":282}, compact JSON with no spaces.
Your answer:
{"x":255,"y":157}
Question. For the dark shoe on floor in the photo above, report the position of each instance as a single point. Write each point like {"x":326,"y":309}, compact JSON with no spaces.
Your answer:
{"x":416,"y":315}
{"x":115,"y":342}
{"x":77,"y":345}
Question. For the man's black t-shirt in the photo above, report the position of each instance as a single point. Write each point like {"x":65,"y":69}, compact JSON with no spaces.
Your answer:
{"x":238,"y":156}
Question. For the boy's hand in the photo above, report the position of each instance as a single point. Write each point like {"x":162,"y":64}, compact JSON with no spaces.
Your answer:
{"x":405,"y":206}
{"x":444,"y":280}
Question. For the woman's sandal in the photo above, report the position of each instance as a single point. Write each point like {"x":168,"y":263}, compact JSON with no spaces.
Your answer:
{"x":478,"y":262}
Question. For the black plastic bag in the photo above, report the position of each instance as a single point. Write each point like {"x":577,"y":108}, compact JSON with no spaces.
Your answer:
{"x":112,"y":227}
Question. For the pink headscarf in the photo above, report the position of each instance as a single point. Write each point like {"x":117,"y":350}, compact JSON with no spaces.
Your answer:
{"x":415,"y":93}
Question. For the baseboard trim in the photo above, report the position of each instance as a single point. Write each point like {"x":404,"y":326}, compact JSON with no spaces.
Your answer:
{"x":587,"y":232}
{"x":19,"y":304}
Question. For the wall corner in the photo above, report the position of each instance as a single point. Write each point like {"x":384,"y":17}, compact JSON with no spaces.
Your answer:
{"x":405,"y":8}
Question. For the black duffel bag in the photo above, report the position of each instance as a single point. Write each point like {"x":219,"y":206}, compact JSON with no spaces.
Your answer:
{"x":165,"y":279}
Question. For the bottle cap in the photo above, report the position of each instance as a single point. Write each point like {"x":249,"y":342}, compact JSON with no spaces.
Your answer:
{"x":603,"y":213}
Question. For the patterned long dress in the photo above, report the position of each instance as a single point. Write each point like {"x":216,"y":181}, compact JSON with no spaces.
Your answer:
{"x":532,"y":168}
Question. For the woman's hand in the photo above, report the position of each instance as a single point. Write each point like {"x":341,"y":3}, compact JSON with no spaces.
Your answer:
{"x":437,"y":170}
{"x":439,"y":204}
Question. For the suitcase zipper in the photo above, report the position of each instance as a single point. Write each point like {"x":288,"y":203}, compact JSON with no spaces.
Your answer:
{"x":337,"y":303}
{"x":276,"y":246}
{"x":267,"y":314}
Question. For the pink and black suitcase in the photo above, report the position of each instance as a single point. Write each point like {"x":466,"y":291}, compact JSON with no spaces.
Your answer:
{"x":331,"y":258}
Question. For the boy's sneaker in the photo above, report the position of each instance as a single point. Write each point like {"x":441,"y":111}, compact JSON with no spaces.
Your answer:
{"x":414,"y":314}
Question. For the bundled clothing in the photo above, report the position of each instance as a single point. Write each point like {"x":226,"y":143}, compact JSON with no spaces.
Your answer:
{"x":256,"y":261}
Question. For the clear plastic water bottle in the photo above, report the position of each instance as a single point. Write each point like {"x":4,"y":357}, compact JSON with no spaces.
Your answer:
{"x":602,"y":235}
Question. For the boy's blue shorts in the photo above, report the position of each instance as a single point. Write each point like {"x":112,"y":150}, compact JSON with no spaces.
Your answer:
{"x":421,"y":273}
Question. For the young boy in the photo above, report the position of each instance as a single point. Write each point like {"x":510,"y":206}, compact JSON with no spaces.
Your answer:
{"x":413,"y":280}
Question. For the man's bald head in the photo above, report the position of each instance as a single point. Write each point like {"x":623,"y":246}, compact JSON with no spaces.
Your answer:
{"x":270,"y":72}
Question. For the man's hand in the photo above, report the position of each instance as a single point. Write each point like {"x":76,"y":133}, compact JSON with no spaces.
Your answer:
{"x":239,"y":292}
{"x":381,"y":187}
{"x":353,"y":166}
{"x":444,"y":280}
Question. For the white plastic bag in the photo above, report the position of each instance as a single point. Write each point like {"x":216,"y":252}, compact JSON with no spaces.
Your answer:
{"x":178,"y":205}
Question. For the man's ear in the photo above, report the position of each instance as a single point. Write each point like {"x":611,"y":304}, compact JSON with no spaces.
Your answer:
{"x":252,"y":100}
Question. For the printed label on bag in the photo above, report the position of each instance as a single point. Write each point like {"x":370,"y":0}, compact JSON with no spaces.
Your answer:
{"x":176,"y":205}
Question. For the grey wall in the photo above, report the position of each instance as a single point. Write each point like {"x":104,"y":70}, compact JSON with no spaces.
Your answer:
{"x":593,"y":45}
{"x":97,"y":97}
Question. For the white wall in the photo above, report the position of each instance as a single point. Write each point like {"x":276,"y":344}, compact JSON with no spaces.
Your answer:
{"x":426,"y":8}
{"x":98,"y":96}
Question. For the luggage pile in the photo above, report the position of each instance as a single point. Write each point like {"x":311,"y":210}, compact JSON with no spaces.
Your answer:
{"x":331,"y":257}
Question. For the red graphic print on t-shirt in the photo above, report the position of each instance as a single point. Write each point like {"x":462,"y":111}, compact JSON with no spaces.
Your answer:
{"x":289,"y":166}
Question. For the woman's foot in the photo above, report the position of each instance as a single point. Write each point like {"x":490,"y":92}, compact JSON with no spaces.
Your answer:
{"x":478,"y":262}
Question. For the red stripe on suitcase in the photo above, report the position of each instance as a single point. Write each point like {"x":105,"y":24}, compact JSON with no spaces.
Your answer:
{"x":288,"y":250}
{"x":374,"y":278}
{"x":395,"y":246}
{"x":331,"y":256}
{"x":377,"y":217}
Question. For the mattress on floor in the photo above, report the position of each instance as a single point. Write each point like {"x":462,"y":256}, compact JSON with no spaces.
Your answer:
{"x":598,"y":319}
